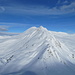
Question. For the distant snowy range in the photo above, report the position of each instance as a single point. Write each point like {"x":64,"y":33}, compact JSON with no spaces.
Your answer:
{"x":37,"y":51}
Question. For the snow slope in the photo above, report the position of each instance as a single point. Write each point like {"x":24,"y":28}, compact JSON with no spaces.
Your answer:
{"x":38,"y":51}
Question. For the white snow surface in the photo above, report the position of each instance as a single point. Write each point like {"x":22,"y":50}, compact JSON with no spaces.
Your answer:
{"x":37,"y":51}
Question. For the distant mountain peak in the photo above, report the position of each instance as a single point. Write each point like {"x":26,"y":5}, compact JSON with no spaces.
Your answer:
{"x":41,"y":27}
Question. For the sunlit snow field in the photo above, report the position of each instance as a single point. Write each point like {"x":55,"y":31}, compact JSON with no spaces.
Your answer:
{"x":37,"y":51}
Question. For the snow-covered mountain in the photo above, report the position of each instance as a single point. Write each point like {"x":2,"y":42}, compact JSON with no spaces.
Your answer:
{"x":38,"y":51}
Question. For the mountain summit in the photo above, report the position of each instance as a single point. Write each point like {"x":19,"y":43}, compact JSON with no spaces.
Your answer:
{"x":36,"y":52}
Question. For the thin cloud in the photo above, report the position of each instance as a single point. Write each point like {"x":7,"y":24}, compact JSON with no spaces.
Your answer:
{"x":62,"y":3}
{"x":41,"y":10}
{"x":18,"y":25}
{"x":3,"y":28}
{"x":68,"y":8}
{"x":8,"y":25}
{"x":65,"y":2}
{"x":8,"y":34}
{"x":2,"y":9}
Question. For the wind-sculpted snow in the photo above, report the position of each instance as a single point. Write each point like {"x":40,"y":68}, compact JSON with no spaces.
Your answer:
{"x":37,"y":51}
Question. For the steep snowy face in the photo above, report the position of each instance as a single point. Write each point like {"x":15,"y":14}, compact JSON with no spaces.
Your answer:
{"x":36,"y":52}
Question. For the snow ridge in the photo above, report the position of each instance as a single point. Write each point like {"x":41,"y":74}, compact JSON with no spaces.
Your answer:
{"x":36,"y":52}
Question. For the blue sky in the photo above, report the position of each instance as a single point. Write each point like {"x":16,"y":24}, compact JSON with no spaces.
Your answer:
{"x":55,"y":15}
